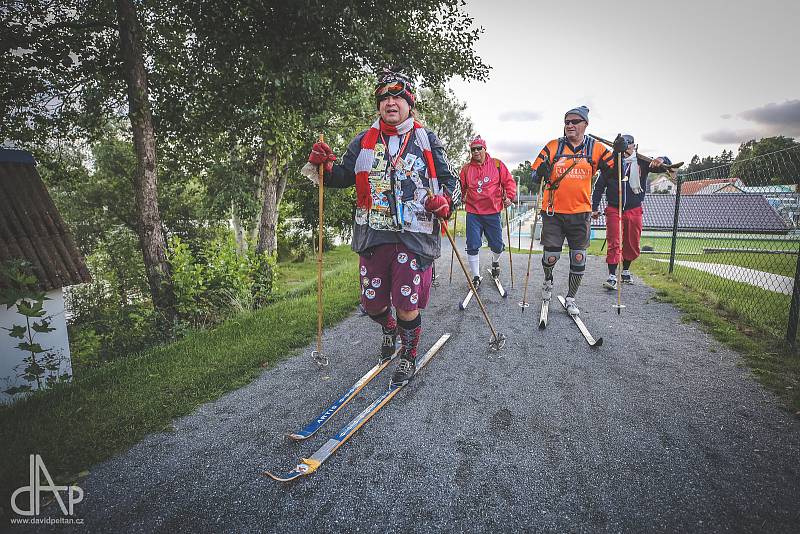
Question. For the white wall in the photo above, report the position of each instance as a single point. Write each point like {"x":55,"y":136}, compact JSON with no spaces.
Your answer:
{"x":57,"y":341}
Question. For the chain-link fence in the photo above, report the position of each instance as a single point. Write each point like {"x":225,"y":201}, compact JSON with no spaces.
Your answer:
{"x":733,"y":230}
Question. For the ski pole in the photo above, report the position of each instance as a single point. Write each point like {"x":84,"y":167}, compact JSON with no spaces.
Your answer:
{"x":319,"y":358}
{"x":619,"y":304}
{"x":510,"y":261}
{"x":455,"y":225}
{"x":498,"y":339}
{"x":524,"y":304}
{"x":644,"y":158}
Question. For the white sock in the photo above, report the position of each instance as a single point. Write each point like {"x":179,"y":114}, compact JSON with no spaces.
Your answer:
{"x":474,"y":264}
{"x":496,"y":256}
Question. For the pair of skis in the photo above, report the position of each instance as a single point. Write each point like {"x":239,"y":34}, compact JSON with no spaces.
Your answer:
{"x":578,"y":321}
{"x":500,"y":289}
{"x":311,"y":464}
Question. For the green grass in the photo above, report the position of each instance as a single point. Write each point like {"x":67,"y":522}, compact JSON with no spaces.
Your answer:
{"x":691,"y":249}
{"x":737,"y":315}
{"x":106,"y":410}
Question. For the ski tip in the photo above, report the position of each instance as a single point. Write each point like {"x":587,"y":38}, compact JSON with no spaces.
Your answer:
{"x":542,"y":325}
{"x":461,"y":306}
{"x":297,"y":437}
{"x":598,"y":343}
{"x":288,"y":477}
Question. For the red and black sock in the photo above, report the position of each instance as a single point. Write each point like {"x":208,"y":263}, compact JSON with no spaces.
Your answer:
{"x":386,"y":320}
{"x":410,"y":332}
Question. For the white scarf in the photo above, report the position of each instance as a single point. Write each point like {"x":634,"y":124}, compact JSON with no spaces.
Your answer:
{"x":633,"y":174}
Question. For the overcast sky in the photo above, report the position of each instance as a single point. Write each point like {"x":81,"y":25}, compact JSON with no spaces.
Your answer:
{"x":683,"y":76}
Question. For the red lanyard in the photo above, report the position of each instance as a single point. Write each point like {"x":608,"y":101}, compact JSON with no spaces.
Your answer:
{"x":399,"y":152}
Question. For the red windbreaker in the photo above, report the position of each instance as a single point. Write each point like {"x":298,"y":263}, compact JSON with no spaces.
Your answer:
{"x":484,"y":186}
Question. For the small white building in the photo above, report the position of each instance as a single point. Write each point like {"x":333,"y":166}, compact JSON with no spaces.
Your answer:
{"x":31,"y":229}
{"x":662,"y":183}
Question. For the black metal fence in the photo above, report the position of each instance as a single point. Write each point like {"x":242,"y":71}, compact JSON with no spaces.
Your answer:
{"x":733,"y":230}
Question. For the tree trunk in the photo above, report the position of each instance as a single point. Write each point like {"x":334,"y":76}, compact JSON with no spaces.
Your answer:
{"x":238,"y":232}
{"x":267,"y":226}
{"x":151,"y":239}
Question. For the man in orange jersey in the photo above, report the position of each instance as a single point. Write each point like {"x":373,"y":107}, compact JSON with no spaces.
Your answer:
{"x":567,"y":166}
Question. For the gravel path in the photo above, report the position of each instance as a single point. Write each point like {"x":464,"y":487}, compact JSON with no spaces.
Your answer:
{"x":658,"y":430}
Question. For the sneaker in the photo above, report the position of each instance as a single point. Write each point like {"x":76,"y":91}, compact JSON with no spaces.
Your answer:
{"x":572,"y":308}
{"x":495,"y":269}
{"x":389,"y":345}
{"x":626,"y":277}
{"x":547,"y":289}
{"x":404,"y":372}
{"x":611,"y":283}
{"x":476,"y":282}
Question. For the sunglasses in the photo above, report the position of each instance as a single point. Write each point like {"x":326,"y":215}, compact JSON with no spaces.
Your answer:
{"x":393,"y":89}
{"x":572,"y":121}
{"x":476,"y":149}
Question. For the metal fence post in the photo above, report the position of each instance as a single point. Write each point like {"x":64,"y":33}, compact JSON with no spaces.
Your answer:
{"x":675,"y":225}
{"x":794,"y":308}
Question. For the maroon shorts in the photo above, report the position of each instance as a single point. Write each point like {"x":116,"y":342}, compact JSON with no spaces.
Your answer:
{"x":391,"y":275}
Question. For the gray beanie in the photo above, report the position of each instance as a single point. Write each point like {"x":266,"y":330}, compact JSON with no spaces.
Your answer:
{"x":582,"y":111}
{"x":628,"y":139}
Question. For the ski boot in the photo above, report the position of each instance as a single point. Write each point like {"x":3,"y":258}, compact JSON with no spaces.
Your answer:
{"x":495,"y":269}
{"x":476,"y":282}
{"x":572,"y":308}
{"x":389,"y":345}
{"x":404,"y":371}
{"x":611,"y":283}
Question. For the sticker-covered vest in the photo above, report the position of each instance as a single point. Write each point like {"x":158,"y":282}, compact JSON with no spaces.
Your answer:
{"x":398,"y":193}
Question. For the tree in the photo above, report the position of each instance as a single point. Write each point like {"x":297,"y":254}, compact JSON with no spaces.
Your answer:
{"x":151,"y":238}
{"x":447,"y":117}
{"x":522,"y":174}
{"x":768,"y":162}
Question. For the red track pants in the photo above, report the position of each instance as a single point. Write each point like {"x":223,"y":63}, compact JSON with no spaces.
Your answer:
{"x":631,"y":233}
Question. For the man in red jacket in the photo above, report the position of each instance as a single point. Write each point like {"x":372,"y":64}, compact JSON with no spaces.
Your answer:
{"x":487,"y":187}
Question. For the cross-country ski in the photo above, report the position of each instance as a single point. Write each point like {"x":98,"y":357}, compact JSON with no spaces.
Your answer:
{"x":498,"y":284}
{"x":311,"y":428}
{"x":311,"y":464}
{"x":582,"y":327}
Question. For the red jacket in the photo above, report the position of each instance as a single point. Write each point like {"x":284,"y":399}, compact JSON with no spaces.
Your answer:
{"x":484,"y":186}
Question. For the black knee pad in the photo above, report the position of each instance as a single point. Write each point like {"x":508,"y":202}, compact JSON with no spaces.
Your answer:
{"x":577,"y":261}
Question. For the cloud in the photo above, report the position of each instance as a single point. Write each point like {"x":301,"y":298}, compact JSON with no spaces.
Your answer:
{"x":784,"y":115}
{"x":726,"y":116}
{"x":514,"y":152}
{"x":730,"y":137}
{"x":519,"y":116}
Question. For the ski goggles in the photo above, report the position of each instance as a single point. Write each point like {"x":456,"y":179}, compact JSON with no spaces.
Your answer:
{"x":393,"y":89}
{"x":572,"y":121}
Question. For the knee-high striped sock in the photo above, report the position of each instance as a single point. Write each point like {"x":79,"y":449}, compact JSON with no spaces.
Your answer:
{"x":574,"y":284}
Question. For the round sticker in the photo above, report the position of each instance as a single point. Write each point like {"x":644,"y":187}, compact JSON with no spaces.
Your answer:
{"x":363,"y":270}
{"x":479,"y":190}
{"x":416,"y":280}
{"x":365,"y":282}
{"x":402,"y":257}
{"x":405,"y":291}
{"x":414,"y":298}
{"x":413,"y":264}
{"x":376,"y":282}
{"x":486,"y":180}
{"x":369,"y":293}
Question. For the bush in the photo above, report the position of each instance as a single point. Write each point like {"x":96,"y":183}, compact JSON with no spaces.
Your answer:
{"x":217,"y":280}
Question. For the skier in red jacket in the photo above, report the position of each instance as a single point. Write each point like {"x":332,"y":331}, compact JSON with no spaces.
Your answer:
{"x":487,"y":187}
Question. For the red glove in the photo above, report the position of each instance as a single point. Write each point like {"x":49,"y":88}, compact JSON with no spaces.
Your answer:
{"x":439,"y":205}
{"x":321,"y":154}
